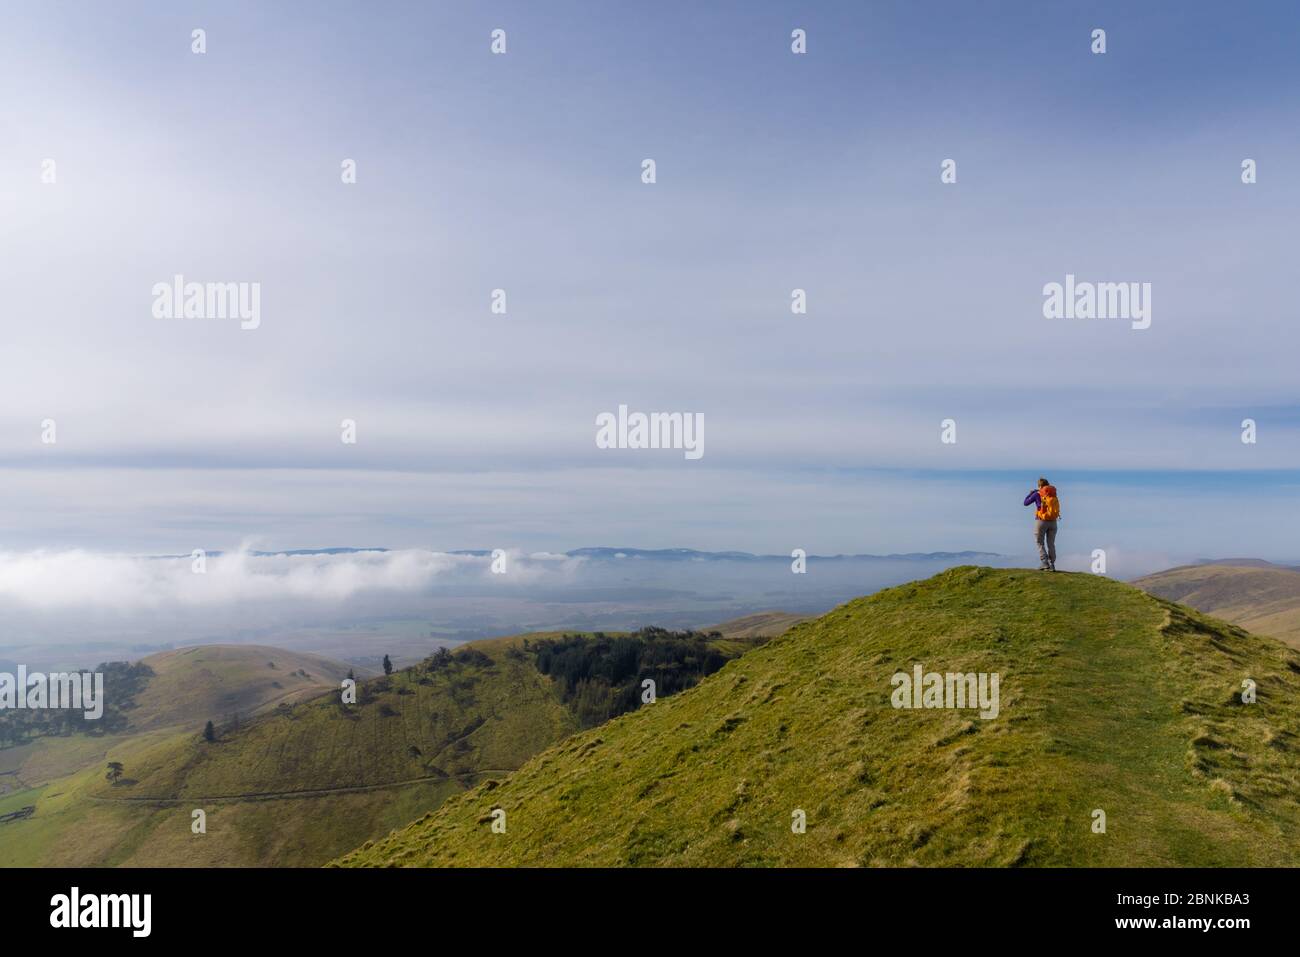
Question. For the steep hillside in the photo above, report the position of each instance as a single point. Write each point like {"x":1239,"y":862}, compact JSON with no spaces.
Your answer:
{"x":175,"y":691}
{"x":1259,"y":597}
{"x":1110,"y":701}
{"x":308,"y":781}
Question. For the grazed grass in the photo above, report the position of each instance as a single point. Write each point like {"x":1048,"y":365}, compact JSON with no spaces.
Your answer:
{"x":1110,"y":699}
{"x":303,"y":783}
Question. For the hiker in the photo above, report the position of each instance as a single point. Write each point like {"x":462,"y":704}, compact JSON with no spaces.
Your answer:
{"x":1047,"y":515}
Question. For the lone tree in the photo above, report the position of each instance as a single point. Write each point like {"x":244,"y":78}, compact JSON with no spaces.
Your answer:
{"x":209,"y":732}
{"x":388,"y":666}
{"x":114,"y":771}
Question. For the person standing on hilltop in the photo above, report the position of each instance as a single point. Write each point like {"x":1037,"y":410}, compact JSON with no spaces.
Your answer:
{"x":1047,"y":515}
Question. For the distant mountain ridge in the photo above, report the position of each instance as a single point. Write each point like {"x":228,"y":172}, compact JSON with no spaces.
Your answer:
{"x":691,"y":554}
{"x":1243,"y":563}
{"x":658,"y":554}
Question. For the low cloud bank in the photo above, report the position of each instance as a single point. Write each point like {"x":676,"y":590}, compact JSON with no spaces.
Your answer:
{"x":77,"y":578}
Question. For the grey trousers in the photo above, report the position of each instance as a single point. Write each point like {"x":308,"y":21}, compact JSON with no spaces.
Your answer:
{"x":1045,"y":536}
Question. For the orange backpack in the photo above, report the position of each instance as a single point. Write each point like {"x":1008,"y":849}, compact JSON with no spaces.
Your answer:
{"x":1049,"y":506}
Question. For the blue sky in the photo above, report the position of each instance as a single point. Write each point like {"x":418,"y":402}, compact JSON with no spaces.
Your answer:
{"x":775,"y":172}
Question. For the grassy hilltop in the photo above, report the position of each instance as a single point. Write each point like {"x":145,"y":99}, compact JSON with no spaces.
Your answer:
{"x":1111,"y":699}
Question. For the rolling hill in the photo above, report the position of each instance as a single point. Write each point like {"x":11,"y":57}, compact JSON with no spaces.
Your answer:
{"x":1112,"y":702}
{"x":218,"y":682}
{"x":1258,"y":596}
{"x":180,"y":690}
{"x":764,"y":624}
{"x":311,"y":779}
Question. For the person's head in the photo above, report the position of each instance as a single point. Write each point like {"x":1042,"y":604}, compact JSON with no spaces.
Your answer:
{"x":1043,"y":482}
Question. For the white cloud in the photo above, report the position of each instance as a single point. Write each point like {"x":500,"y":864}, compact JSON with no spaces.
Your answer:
{"x":77,"y":578}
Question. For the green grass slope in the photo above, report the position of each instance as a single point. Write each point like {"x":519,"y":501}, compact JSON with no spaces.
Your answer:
{"x":308,"y":781}
{"x":1259,"y":597}
{"x":187,"y":688}
{"x":215,"y":682}
{"x":1110,"y":700}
